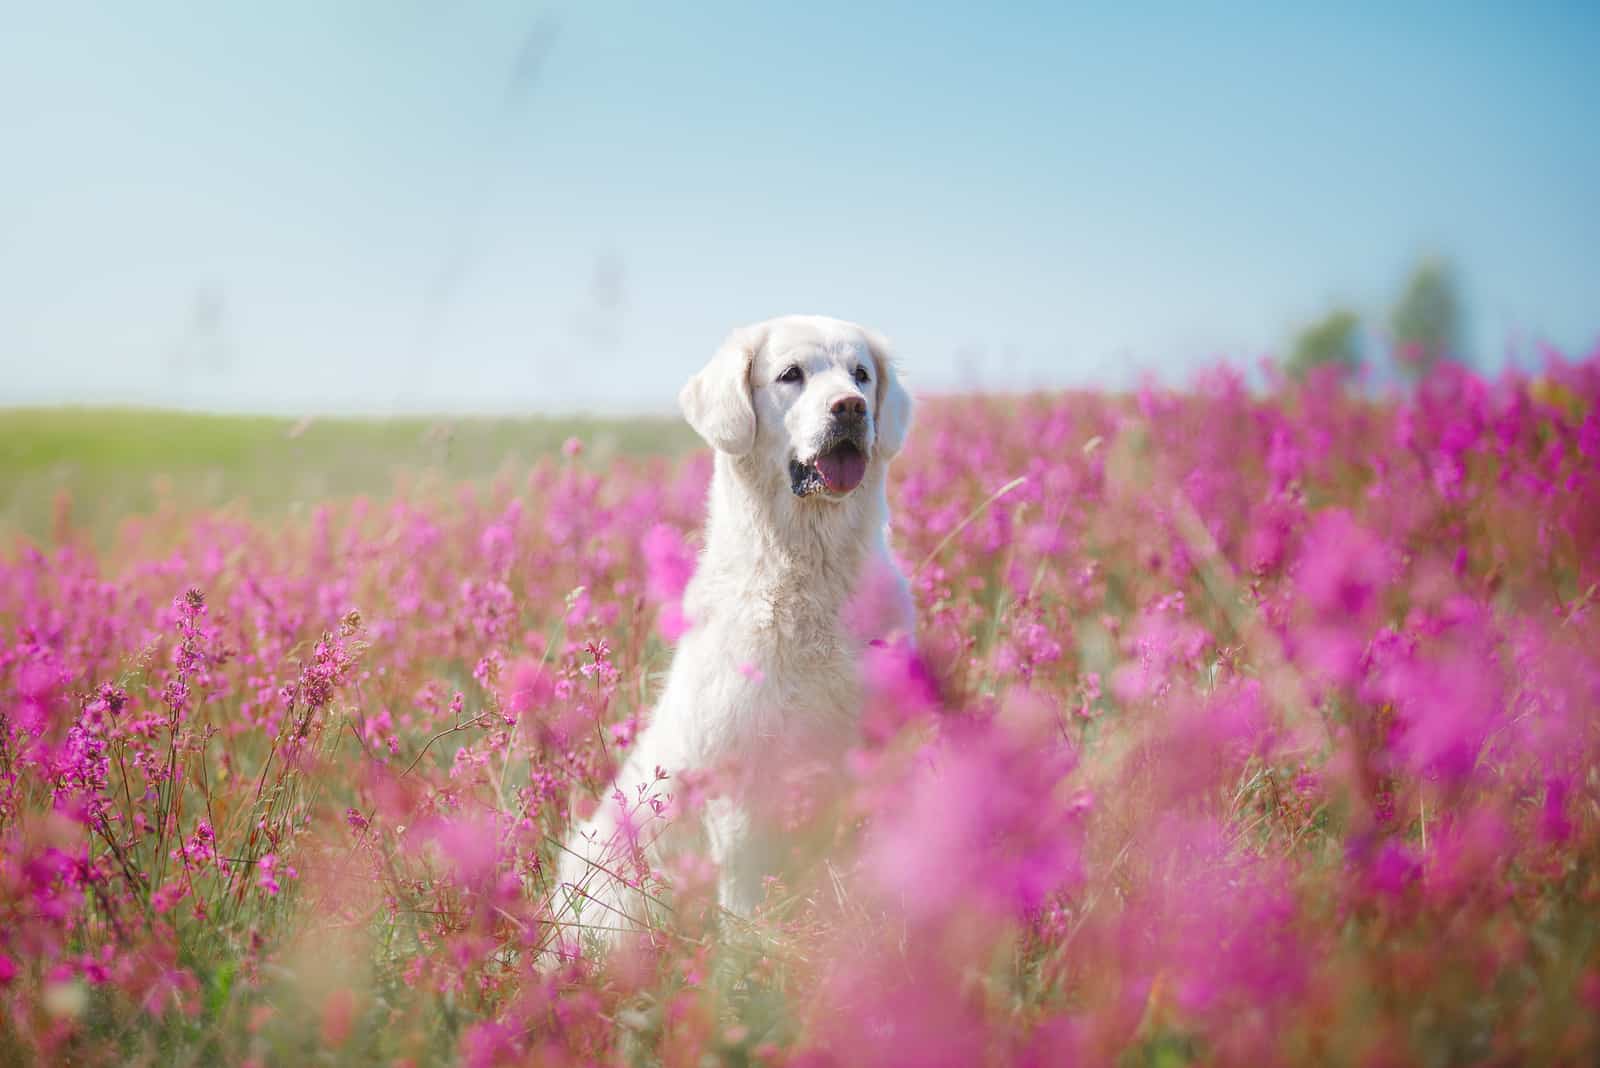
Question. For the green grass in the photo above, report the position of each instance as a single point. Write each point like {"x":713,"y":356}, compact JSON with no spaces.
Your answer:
{"x":118,"y":462}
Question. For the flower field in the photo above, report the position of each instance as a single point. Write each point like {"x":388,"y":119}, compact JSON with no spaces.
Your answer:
{"x":1243,"y":727}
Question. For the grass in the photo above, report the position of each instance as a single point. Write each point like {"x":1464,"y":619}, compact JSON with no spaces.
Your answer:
{"x":114,"y":462}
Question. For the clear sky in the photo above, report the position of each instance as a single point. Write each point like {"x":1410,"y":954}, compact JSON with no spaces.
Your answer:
{"x":501,"y":206}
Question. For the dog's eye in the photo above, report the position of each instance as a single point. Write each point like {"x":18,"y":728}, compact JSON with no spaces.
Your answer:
{"x":862,"y":376}
{"x":792,"y":373}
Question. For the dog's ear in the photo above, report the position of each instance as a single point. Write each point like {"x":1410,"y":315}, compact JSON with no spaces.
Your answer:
{"x":717,"y":403}
{"x":894,"y":403}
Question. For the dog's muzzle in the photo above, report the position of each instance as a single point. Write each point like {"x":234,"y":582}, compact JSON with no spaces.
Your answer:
{"x":838,"y":466}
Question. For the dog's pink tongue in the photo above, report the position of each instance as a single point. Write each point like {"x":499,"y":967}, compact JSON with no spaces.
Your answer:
{"x":842,"y":470}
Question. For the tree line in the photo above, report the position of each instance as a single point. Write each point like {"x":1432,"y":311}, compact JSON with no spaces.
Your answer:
{"x":1423,"y":327}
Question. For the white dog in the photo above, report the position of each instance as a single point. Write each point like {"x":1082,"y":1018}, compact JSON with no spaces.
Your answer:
{"x":804,"y":413}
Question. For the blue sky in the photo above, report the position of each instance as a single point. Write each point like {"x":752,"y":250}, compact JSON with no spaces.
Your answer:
{"x":505,"y":207}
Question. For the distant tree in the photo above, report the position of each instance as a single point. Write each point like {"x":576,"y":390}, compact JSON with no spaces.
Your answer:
{"x":1426,"y":321}
{"x":1334,"y":340}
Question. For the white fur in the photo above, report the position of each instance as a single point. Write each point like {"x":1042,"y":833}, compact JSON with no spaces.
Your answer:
{"x":766,"y":679}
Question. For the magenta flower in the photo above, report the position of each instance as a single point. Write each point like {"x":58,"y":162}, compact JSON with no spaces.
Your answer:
{"x":988,"y":819}
{"x":669,"y":565}
{"x":267,"y":866}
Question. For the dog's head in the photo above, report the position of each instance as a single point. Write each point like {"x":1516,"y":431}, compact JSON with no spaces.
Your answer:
{"x":810,"y":399}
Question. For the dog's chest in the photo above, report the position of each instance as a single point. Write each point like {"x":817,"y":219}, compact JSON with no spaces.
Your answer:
{"x":791,"y":607}
{"x":765,"y":676}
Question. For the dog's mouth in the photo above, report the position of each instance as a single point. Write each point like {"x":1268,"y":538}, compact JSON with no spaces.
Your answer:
{"x":835,"y":471}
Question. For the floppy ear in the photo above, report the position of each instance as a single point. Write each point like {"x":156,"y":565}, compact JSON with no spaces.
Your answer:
{"x":894,"y":403}
{"x":716,"y":402}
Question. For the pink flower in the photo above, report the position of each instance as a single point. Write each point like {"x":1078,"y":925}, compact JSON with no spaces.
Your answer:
{"x":268,"y":871}
{"x":488,"y":1044}
{"x":669,"y":565}
{"x":987,"y":819}
{"x":1343,"y":568}
{"x":1446,"y":707}
{"x":164,"y":899}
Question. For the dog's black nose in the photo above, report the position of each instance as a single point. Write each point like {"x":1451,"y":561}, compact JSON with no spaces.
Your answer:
{"x":849,"y":406}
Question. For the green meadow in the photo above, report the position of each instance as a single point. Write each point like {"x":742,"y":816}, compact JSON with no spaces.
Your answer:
{"x":92,"y":467}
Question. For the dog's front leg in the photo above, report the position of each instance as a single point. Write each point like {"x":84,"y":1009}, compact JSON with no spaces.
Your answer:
{"x":744,"y":852}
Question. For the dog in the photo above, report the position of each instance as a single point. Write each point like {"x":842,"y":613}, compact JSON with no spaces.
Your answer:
{"x":805,"y":414}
